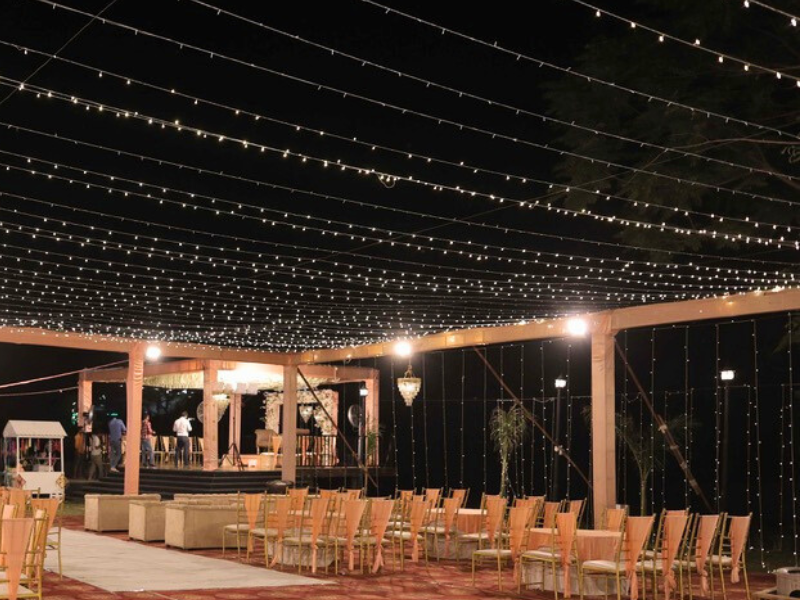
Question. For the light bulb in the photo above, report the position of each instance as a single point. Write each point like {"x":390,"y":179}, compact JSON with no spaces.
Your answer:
{"x":403,"y":349}
{"x":153,"y":352}
{"x":577,"y":327}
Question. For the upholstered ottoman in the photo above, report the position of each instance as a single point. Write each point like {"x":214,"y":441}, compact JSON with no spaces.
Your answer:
{"x":191,"y":526}
{"x":146,"y":520}
{"x":109,"y":512}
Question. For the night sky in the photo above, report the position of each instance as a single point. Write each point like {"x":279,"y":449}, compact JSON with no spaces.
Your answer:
{"x":258,"y":198}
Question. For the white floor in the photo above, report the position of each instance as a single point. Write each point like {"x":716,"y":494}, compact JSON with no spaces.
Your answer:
{"x":120,"y":566}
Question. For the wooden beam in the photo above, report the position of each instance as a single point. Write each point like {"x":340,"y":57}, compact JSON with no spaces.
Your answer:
{"x":103,"y":343}
{"x":210,"y":417}
{"x":648,"y":315}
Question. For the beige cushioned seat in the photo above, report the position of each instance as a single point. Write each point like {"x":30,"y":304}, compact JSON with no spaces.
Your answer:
{"x":110,"y":512}
{"x":191,"y":526}
{"x":146,"y":520}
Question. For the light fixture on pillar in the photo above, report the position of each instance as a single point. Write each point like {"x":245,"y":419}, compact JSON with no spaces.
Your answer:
{"x":409,"y":386}
{"x":577,"y":327}
{"x":363,"y":391}
{"x":727,"y":375}
{"x":222,"y":400}
{"x":306,"y":410}
{"x":561,"y":383}
{"x":152,"y":353}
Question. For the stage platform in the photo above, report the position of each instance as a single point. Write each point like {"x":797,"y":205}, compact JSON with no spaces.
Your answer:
{"x":168,"y":482}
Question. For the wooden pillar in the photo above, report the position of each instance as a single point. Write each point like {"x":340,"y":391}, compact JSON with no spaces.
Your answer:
{"x":133,"y":391}
{"x":84,"y":397}
{"x":235,"y":421}
{"x":210,"y":417}
{"x":372,"y":414}
{"x":604,"y":474}
{"x":289,"y":432}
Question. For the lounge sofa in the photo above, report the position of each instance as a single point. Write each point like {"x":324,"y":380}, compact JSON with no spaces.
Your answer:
{"x":110,"y":512}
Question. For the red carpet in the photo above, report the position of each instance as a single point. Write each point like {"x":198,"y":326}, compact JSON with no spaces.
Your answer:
{"x":417,"y":582}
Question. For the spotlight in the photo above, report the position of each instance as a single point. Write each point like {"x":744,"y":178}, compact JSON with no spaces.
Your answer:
{"x":727,"y":375}
{"x":363,"y":392}
{"x":561,"y":383}
{"x":403,"y":349}
{"x":153,"y":352}
{"x":577,"y":327}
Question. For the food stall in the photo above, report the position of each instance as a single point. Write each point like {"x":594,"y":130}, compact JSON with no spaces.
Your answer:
{"x":34,"y":451}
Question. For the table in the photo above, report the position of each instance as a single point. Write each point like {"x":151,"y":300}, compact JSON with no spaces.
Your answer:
{"x":469,"y":520}
{"x":590,"y":544}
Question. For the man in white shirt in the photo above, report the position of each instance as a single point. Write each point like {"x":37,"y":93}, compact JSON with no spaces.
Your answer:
{"x":182,"y":427}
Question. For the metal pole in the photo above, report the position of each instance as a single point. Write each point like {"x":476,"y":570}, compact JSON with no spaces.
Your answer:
{"x":556,"y":444}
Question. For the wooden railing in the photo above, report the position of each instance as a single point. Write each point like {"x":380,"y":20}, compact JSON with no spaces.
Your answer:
{"x":316,"y":450}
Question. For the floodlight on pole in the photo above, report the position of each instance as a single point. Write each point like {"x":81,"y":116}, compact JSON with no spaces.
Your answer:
{"x":727,"y":375}
{"x":561,"y":383}
{"x":363,"y":391}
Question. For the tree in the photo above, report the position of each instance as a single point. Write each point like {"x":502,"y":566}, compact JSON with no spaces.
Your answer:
{"x":634,"y":58}
{"x":647,"y":452}
{"x":507,"y":430}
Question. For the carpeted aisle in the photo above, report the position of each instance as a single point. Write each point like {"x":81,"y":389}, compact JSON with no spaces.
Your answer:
{"x":118,"y":566}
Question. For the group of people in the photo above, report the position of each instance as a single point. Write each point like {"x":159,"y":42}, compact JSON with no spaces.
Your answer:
{"x":182,"y":427}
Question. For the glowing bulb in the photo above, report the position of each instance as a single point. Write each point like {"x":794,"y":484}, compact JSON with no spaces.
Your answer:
{"x":363,"y":392}
{"x":727,"y":375}
{"x":403,"y":349}
{"x":577,"y":327}
{"x":153,"y":352}
{"x":561,"y":383}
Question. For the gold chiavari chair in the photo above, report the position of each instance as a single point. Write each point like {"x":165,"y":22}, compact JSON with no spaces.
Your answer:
{"x":249,"y":516}
{"x":508,"y":546}
{"x":629,"y":554}
{"x":671,"y":541}
{"x":560,"y":551}
{"x":730,"y":555}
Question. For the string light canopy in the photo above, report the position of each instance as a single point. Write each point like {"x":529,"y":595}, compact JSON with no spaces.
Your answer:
{"x":141,"y":203}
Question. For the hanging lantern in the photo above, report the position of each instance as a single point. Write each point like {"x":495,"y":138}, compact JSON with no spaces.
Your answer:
{"x":409,"y":386}
{"x":306,"y":410}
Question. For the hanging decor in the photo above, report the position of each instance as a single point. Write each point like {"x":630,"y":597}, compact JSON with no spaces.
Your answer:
{"x":306,"y":410}
{"x":409,"y":385}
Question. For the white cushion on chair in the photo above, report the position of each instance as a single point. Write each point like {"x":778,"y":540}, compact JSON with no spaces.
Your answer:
{"x":541,"y":554}
{"x":237,"y":527}
{"x":603,"y":565}
{"x":716,"y":559}
{"x":474,"y":536}
{"x":492,"y":552}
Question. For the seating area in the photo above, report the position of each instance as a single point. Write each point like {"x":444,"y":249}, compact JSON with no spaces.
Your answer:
{"x":529,"y":544}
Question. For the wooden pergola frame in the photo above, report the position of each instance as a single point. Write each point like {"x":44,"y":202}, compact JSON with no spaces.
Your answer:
{"x":601,"y":326}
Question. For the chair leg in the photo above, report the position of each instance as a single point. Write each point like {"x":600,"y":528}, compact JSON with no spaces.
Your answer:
{"x":746,"y":583}
{"x":500,"y":572}
{"x":722,"y":582}
{"x":619,"y":585}
{"x":473,"y":570}
{"x":555,"y":579}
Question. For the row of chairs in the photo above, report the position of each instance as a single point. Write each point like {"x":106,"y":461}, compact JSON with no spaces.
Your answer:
{"x":30,"y":526}
{"x":164,"y":447}
{"x":680,"y":546}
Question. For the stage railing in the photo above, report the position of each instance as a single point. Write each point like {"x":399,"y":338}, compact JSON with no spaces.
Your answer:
{"x":316,"y":450}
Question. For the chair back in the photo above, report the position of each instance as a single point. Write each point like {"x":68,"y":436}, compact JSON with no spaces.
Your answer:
{"x":298,"y":497}
{"x":433,"y":495}
{"x":576,"y":507}
{"x":614,"y":519}
{"x":418,"y":514}
{"x":354,"y":494}
{"x":462,"y":495}
{"x":49,"y":506}
{"x":15,"y":547}
{"x":736,"y":532}
{"x":380,"y":511}
{"x":705,"y":531}
{"x":637,"y":532}
{"x":519,"y":518}
{"x":251,"y":503}
{"x":551,"y":509}
{"x":353,"y":512}
{"x":495,"y":509}
{"x":327,"y":493}
{"x":19,"y":499}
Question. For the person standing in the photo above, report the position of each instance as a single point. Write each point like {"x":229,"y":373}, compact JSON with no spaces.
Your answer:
{"x":147,"y":442}
{"x":182,"y":428}
{"x":116,"y":429}
{"x":96,"y":457}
